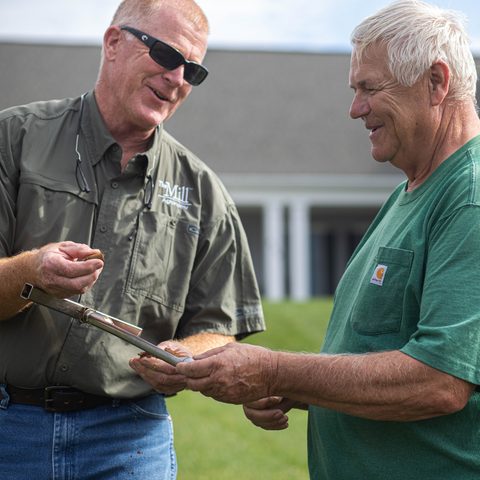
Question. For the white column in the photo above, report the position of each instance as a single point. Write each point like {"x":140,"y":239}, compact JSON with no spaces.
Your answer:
{"x":273,"y":245}
{"x":299,"y":250}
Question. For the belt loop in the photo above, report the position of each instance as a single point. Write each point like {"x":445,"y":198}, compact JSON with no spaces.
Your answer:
{"x":116,"y":402}
{"x":6,"y":397}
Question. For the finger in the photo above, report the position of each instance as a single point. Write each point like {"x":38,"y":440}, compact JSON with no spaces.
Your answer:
{"x":277,"y":425}
{"x":72,"y":269}
{"x":159,"y":374}
{"x":62,"y":287}
{"x":267,"y":419}
{"x":164,"y":384}
{"x":268,"y":415}
{"x":155,"y":365}
{"x":273,"y":426}
{"x":158,"y":379}
{"x":77,"y":250}
{"x":264,"y":403}
{"x":176,"y":348}
{"x":53,"y":265}
{"x":200,"y":385}
{"x":195,"y":370}
{"x":210,"y":353}
{"x":98,"y":255}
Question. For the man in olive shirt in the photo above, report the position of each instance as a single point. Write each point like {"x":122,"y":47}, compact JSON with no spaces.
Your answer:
{"x":99,"y":173}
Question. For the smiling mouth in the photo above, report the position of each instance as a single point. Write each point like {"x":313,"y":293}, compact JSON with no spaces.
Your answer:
{"x":374,"y":129}
{"x":158,"y":95}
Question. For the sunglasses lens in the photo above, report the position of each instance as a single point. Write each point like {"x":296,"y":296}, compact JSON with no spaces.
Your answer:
{"x":166,"y":56}
{"x":195,"y":74}
{"x":169,"y":58}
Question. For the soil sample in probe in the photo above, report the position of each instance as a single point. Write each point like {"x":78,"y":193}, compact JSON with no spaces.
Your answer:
{"x":99,"y":255}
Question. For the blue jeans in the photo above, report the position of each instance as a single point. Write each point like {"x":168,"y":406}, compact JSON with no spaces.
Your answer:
{"x":125,"y":439}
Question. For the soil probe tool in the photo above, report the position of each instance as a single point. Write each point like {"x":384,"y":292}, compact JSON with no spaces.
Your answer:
{"x":119,"y":328}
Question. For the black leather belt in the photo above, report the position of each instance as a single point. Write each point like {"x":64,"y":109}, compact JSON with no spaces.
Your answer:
{"x":56,"y":398}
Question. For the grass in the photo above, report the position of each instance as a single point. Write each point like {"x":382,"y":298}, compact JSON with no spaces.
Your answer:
{"x":215,"y":441}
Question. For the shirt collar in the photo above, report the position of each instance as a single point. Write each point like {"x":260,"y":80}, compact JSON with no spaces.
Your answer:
{"x":99,"y":139}
{"x":153,"y":153}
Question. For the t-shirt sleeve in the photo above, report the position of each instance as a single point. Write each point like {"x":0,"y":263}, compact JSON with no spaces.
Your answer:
{"x":223,"y":296}
{"x":448,"y":334}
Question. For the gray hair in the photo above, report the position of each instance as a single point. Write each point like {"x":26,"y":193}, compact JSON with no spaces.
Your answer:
{"x":417,"y":35}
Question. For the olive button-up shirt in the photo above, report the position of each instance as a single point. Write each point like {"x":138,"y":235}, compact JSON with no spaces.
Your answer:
{"x":179,"y":268}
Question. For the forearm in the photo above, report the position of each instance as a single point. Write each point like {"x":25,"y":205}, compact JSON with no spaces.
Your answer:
{"x":203,"y":342}
{"x":14,"y":273}
{"x":383,"y":386}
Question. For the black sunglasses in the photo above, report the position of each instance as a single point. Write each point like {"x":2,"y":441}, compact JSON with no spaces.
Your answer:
{"x":170,"y":58}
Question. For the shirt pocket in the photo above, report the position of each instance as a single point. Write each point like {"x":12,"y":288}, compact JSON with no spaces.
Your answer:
{"x":379,"y":304}
{"x":162,"y":259}
{"x":49,"y":211}
{"x":151,"y":255}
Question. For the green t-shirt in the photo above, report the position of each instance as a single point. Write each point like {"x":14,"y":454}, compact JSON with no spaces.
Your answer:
{"x":413,"y":284}
{"x":181,"y":268}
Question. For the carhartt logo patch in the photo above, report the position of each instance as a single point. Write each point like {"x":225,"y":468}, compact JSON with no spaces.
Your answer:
{"x":379,"y":275}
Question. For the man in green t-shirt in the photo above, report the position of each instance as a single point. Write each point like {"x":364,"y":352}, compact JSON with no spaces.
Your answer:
{"x":393,"y":393}
{"x":99,"y":173}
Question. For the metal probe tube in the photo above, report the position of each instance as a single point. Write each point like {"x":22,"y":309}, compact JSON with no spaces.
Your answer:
{"x":102,"y":321}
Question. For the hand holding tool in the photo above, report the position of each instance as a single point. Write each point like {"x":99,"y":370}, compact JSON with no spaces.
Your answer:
{"x":114,"y":326}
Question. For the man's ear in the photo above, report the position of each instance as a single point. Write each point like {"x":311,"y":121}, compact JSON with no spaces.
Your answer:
{"x":111,"y":42}
{"x":439,"y":82}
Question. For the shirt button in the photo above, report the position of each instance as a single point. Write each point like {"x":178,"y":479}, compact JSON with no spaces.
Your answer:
{"x":64,"y":367}
{"x":115,"y":148}
{"x":103,"y":228}
{"x":114,"y":185}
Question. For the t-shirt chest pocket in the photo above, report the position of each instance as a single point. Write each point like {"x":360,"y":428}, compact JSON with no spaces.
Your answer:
{"x":379,"y":305}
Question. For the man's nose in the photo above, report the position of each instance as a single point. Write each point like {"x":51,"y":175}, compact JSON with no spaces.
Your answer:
{"x":359,"y":107}
{"x":175,"y":76}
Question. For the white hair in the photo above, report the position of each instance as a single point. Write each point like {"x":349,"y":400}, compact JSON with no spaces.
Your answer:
{"x":417,"y":35}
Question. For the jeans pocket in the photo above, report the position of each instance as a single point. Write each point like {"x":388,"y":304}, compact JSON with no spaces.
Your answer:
{"x":153,"y":406}
{"x":379,"y":305}
{"x":4,"y":401}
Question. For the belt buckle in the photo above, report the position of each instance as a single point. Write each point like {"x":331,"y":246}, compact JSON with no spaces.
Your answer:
{"x":49,"y":399}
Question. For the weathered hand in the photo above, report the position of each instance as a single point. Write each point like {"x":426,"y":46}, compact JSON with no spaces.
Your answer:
{"x":236,"y":373}
{"x":269,"y":413}
{"x":159,"y":374}
{"x":57,"y":272}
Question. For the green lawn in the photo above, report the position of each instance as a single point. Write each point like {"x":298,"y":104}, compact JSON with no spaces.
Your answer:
{"x":214,"y":441}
